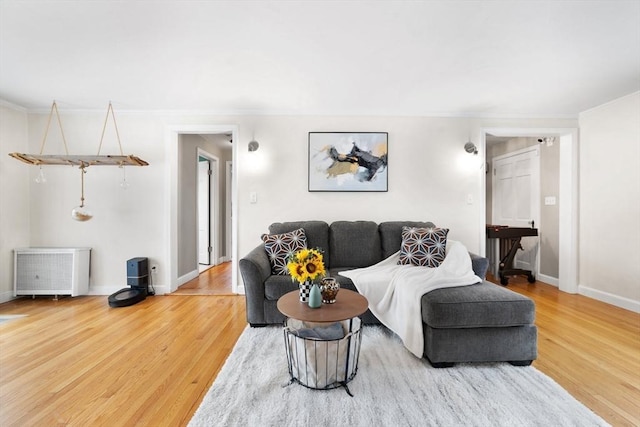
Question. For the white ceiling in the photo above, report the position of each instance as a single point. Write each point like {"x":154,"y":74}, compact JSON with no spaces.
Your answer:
{"x":453,"y":58}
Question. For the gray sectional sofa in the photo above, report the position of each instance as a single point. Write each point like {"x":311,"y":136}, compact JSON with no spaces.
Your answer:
{"x":479,"y":323}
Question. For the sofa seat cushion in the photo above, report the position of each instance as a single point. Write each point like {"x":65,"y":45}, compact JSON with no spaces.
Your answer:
{"x":476,"y":306}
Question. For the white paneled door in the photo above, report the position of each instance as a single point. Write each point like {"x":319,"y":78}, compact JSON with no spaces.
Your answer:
{"x":516,"y":198}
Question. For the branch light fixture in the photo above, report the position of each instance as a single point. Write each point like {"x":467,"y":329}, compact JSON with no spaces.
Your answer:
{"x":79,"y":213}
{"x":78,"y":160}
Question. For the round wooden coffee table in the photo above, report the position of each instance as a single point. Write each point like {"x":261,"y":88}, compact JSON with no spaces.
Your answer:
{"x":348,"y":305}
{"x":323,"y":363}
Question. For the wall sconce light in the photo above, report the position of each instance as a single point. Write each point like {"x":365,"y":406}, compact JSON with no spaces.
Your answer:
{"x":253,"y":146}
{"x":471,"y":148}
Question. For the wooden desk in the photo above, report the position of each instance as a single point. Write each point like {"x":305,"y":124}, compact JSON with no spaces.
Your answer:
{"x":509,"y":242}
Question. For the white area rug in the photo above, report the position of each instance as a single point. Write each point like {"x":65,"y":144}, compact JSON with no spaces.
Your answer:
{"x":392,"y":388}
{"x":7,"y":317}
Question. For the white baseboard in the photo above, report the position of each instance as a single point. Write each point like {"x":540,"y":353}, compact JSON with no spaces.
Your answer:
{"x":161,"y":290}
{"x":189,"y":276}
{"x":548,"y":279}
{"x":104,"y":290}
{"x":7,"y":296}
{"x":618,"y":301}
{"x":108,"y":290}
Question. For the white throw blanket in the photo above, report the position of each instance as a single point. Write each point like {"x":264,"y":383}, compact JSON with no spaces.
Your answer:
{"x":395,"y":291}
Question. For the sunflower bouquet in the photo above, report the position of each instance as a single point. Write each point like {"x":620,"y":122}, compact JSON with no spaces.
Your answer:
{"x":306,"y":265}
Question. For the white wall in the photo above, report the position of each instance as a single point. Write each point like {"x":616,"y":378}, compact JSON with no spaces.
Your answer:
{"x":430,"y":178}
{"x":430,"y":174}
{"x":188,"y":205}
{"x":14,"y":193}
{"x":126,"y":223}
{"x":610,"y":202}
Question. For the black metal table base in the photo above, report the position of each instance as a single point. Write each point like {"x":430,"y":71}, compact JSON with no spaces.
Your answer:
{"x":323,"y":364}
{"x":334,"y":385}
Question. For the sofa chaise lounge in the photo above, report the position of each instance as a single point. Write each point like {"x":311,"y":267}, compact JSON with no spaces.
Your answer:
{"x":483,"y":322}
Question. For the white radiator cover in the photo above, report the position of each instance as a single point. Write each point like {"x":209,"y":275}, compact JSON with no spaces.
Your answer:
{"x":51,"y":271}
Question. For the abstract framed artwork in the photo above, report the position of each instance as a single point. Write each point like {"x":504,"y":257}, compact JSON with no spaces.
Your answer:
{"x":348,"y":161}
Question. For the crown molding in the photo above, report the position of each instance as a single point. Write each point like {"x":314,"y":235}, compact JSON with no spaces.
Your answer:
{"x":13,"y":106}
{"x":241,"y":112}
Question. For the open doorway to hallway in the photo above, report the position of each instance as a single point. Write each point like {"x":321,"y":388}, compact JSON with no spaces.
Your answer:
{"x":213,"y":281}
{"x":204,"y":220}
{"x":214,"y":199}
{"x":182,"y":230}
{"x":556,"y":263}
{"x":513,"y":190}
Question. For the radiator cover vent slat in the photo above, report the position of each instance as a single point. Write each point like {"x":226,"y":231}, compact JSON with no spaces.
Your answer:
{"x":51,"y":271}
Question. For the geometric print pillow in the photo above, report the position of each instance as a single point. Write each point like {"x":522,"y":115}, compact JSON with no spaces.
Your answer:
{"x":423,"y":246}
{"x":280,"y":246}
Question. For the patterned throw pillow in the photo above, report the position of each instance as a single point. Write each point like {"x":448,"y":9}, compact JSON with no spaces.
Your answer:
{"x":280,"y":246}
{"x":423,"y":246}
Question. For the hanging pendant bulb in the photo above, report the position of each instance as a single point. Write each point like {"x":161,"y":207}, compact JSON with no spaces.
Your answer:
{"x":40,"y":179}
{"x":124,"y":184}
{"x":81,"y":213}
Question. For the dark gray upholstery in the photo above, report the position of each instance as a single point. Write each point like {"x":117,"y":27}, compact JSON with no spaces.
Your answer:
{"x":510,"y":344}
{"x":354,"y":244}
{"x":476,"y":323}
{"x":480,"y":265}
{"x":483,"y":305}
{"x":255,"y":270}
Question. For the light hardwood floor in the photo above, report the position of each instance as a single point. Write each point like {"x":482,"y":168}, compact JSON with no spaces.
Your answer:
{"x":213,"y":281}
{"x":78,"y":362}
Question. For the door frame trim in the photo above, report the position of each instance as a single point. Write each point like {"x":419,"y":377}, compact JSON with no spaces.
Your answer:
{"x":229,"y":204}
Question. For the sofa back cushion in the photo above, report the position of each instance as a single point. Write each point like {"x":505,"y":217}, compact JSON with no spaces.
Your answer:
{"x":391,"y":234}
{"x":354,"y":244}
{"x":317,"y":233}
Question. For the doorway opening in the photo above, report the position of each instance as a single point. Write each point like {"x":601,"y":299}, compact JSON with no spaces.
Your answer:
{"x":514,"y":201}
{"x":181,"y":268}
{"x":561,"y":224}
